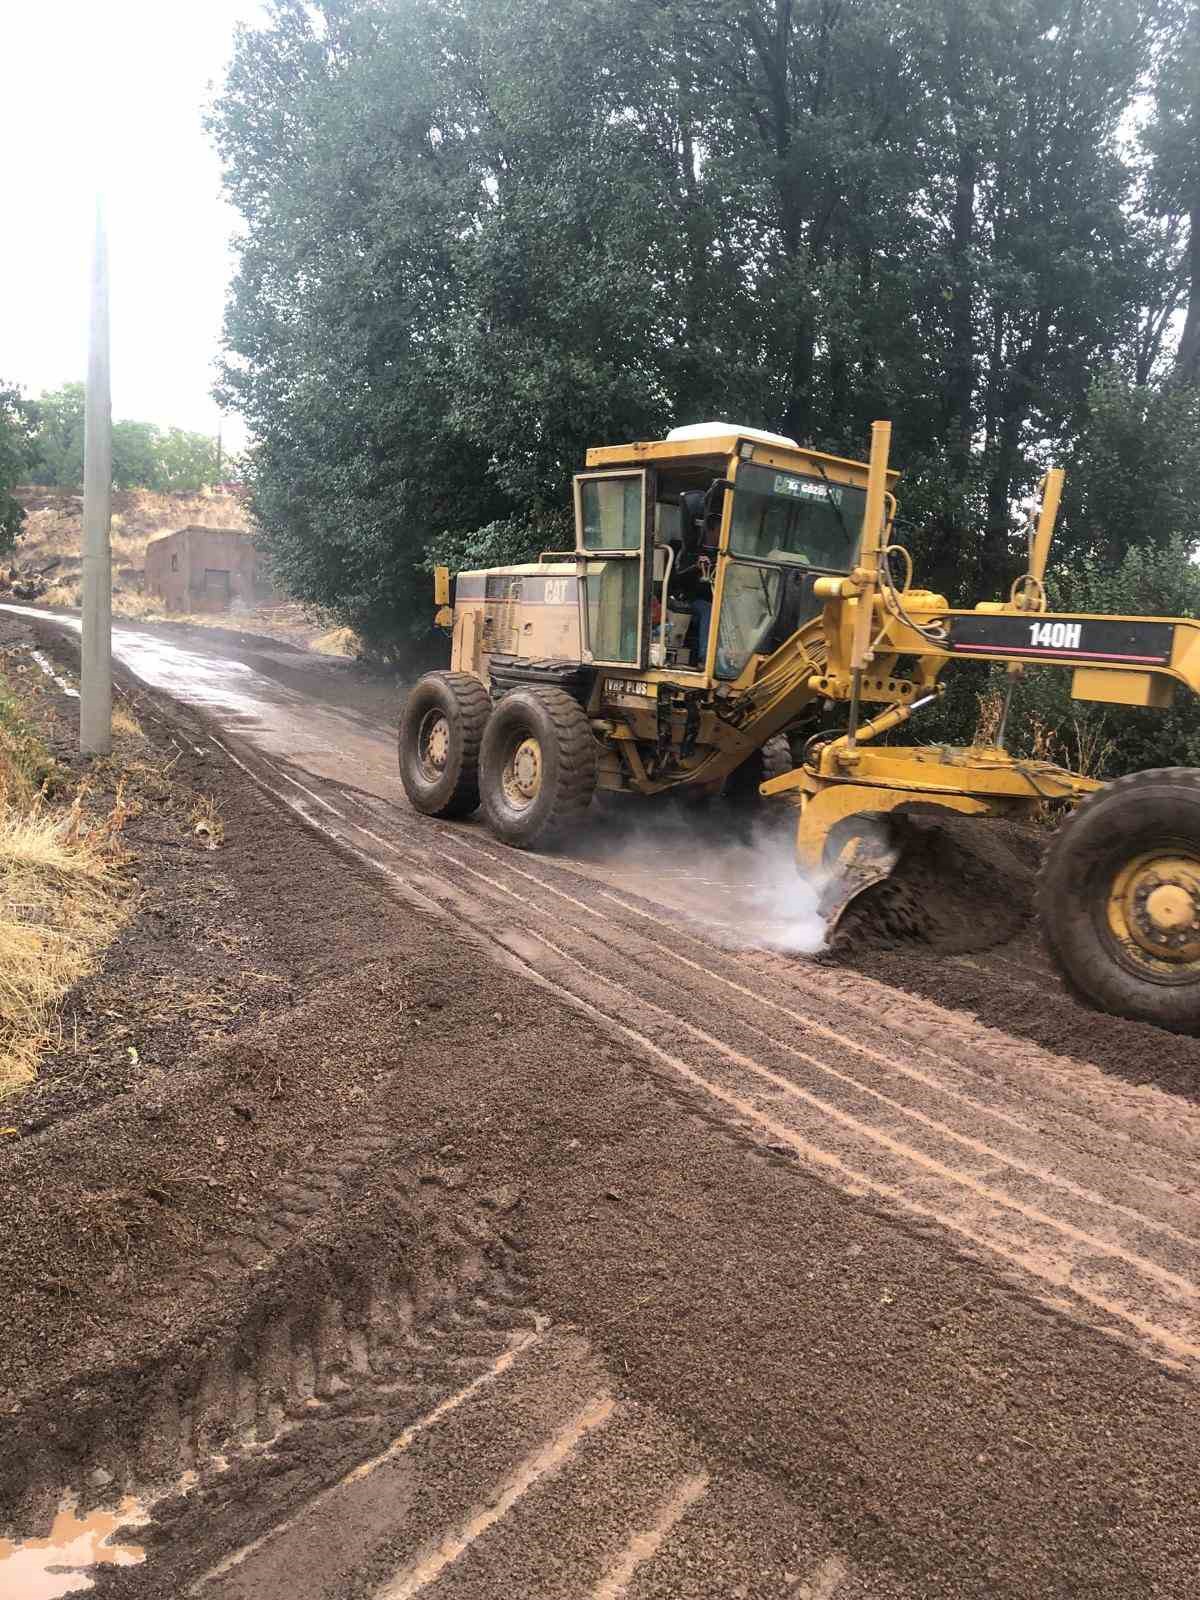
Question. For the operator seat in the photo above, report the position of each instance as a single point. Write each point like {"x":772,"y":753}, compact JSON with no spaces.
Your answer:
{"x":691,"y":522}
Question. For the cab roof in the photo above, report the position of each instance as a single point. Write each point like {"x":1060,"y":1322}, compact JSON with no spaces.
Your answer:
{"x":750,"y":443}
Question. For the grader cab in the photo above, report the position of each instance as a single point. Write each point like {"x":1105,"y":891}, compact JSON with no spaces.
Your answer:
{"x":727,"y":591}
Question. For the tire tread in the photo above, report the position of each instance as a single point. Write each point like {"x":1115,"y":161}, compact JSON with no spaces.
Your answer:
{"x":577,"y":754}
{"x":474,"y":705}
{"x":1089,"y":970}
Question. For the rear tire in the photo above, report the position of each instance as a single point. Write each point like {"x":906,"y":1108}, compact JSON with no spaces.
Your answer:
{"x":537,"y":765}
{"x":776,"y":757}
{"x":440,"y":732}
{"x":771,"y":760}
{"x":1119,"y":898}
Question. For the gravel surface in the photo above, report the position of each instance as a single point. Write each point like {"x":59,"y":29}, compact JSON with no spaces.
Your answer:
{"x":535,"y":1243}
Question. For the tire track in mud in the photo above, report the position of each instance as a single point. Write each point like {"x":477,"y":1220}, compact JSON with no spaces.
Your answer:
{"x":368,"y":1443}
{"x":303,"y":1354}
{"x":1130,"y":1269}
{"x":480,"y":1452}
{"x":307,"y":1387}
{"x":534,"y":1479}
{"x":918,"y":1119}
{"x":275,"y":1432}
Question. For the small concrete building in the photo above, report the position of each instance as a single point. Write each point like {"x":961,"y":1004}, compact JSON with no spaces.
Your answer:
{"x":198,"y":569}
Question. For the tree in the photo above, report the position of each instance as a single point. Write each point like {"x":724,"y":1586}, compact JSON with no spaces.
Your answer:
{"x":58,"y":444}
{"x":135,"y":456}
{"x":479,"y":237}
{"x":1133,"y":477}
{"x":16,"y":455}
{"x":143,"y":456}
{"x":185,"y":462}
{"x":1173,"y":142}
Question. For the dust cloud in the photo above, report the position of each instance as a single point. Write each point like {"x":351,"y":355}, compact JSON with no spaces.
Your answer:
{"x":731,"y":873}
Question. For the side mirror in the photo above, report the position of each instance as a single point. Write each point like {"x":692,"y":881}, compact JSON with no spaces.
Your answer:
{"x":716,"y":487}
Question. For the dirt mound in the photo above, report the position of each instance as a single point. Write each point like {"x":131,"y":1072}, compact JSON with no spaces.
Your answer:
{"x":961,"y":884}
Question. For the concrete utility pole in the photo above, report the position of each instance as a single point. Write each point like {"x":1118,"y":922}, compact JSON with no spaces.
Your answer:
{"x":95,"y":686}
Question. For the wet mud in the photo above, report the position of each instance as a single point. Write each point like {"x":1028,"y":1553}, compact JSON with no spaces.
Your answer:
{"x":542,"y":1245}
{"x":961,"y":884}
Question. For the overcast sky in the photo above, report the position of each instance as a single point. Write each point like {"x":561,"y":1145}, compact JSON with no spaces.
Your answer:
{"x":114,"y":91}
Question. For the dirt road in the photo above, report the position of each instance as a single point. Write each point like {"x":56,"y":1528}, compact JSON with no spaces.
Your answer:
{"x":816,"y":1286}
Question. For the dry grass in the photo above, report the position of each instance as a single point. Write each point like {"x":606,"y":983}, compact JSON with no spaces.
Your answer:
{"x":1081,"y":747}
{"x":125,"y":603}
{"x":1093,"y":752}
{"x":337,"y":642}
{"x":991,"y":709}
{"x":125,"y":723}
{"x":207,"y":827}
{"x":1044,"y":742}
{"x":54,"y":522}
{"x":61,"y":900}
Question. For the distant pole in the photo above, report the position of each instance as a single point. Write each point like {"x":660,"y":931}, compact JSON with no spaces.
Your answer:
{"x":95,"y":687}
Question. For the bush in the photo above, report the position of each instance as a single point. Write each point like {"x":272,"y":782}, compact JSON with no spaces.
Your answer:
{"x":1104,"y":741}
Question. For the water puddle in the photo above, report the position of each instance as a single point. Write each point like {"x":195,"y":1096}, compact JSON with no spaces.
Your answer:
{"x":53,"y":673}
{"x":44,"y":1569}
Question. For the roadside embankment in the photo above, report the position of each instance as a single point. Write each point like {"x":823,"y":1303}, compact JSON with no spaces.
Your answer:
{"x":63,"y":896}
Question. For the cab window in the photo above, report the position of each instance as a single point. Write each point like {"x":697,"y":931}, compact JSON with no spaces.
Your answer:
{"x":611,"y":513}
{"x":614,"y":602}
{"x":749,"y":606}
{"x":796,"y":518}
{"x":611,"y":537}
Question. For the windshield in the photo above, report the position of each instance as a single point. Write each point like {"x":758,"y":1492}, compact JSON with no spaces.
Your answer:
{"x":805,"y":521}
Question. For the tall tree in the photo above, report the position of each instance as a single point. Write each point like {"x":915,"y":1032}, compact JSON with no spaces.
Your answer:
{"x":16,"y":456}
{"x":480,"y":236}
{"x":144,"y":456}
{"x":1173,"y":138}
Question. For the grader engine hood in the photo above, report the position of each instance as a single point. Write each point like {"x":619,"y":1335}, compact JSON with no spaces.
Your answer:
{"x":530,"y":612}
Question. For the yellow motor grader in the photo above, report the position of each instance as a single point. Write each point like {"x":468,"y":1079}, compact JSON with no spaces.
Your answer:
{"x":728,"y":589}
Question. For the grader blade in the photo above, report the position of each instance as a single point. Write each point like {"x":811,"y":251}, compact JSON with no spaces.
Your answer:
{"x":934,"y":879}
{"x":864,"y":860}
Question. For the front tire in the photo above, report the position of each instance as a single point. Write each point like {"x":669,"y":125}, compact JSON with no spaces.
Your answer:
{"x":440,"y":733}
{"x":537,"y":765}
{"x":1119,"y":898}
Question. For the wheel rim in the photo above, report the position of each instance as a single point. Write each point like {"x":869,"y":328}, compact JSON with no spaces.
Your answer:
{"x":521,"y":775}
{"x":433,"y":745}
{"x":1152,"y":914}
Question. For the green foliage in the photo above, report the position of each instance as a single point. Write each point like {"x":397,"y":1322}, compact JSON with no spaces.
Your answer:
{"x":1133,"y":475}
{"x":503,"y":543}
{"x":1172,"y":142}
{"x":478,"y":238}
{"x":16,"y":448}
{"x":135,"y":462}
{"x":143,"y":456}
{"x":186,"y":461}
{"x":26,"y":765}
{"x":1103,"y":740}
{"x":58,"y":442}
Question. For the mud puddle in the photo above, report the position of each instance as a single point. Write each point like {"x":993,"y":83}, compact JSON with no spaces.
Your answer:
{"x":59,"y":1564}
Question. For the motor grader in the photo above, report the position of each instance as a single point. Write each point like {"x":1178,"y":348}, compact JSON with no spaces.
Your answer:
{"x":727,"y":593}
